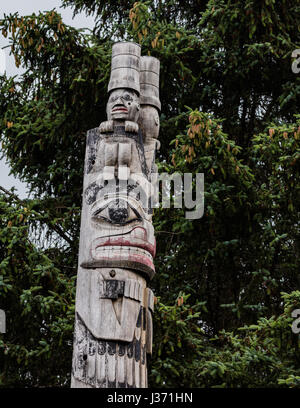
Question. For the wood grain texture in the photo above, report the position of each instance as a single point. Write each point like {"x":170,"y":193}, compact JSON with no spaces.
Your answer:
{"x":114,"y":306}
{"x":109,"y":364}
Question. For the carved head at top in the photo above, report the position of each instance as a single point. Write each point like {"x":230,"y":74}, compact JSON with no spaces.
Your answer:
{"x":123,"y":104}
{"x":124,"y":84}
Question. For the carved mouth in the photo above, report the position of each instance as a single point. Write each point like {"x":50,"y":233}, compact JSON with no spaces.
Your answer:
{"x":124,"y":241}
{"x":124,"y":253}
{"x":123,"y":257}
{"x":129,"y":257}
{"x":131,"y":250}
{"x":120,"y":109}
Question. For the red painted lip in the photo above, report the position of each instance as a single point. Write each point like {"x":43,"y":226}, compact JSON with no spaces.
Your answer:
{"x":136,"y":239}
{"x":125,"y":110}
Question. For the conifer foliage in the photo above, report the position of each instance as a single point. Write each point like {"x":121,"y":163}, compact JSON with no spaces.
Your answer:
{"x":227,"y":283}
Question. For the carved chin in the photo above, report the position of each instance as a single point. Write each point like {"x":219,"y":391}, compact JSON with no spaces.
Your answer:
{"x":122,"y":257}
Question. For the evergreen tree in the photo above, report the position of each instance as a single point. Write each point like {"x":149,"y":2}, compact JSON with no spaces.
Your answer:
{"x":226,"y":283}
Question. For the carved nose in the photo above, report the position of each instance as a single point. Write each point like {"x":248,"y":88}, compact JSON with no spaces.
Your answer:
{"x":119,"y":104}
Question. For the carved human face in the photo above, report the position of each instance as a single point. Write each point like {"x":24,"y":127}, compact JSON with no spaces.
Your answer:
{"x":149,"y":123}
{"x":120,"y":231}
{"x":123,"y":104}
{"x":126,"y":236}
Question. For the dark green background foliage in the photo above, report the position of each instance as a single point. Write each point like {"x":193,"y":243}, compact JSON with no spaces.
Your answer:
{"x":226,"y":283}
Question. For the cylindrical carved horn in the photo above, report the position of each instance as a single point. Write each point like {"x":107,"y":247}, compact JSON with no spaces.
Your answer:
{"x":125,"y":66}
{"x":149,"y":81}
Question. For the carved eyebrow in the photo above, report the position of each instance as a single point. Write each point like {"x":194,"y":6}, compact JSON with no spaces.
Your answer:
{"x":127,"y":97}
{"x":97,"y":213}
{"x":114,"y":97}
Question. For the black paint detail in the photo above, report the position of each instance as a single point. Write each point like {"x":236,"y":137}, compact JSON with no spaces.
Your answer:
{"x":143,"y":355}
{"x":130,"y":350}
{"x":131,"y":186}
{"x":113,"y":289}
{"x":121,"y":349}
{"x":112,"y":384}
{"x":86,"y":344}
{"x":141,"y":151}
{"x":137,"y":350}
{"x":121,"y":385}
{"x":150,"y":209}
{"x":139,"y":319}
{"x":111,"y":348}
{"x":92,"y":348}
{"x":101,"y":384}
{"x":92,"y":138}
{"x":91,"y":192}
{"x":102,"y":347}
{"x":117,"y":214}
{"x":144,"y":318}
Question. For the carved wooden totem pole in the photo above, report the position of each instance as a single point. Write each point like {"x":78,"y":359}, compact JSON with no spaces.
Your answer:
{"x":113,"y":321}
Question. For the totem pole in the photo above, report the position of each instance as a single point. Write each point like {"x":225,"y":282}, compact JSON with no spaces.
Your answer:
{"x":114,"y":306}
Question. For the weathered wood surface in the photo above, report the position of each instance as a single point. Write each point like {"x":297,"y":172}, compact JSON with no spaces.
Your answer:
{"x":2,"y":321}
{"x":114,"y":306}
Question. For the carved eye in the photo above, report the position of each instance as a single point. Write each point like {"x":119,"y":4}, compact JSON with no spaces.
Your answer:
{"x":127,"y":97}
{"x":117,"y":212}
{"x":113,"y":98}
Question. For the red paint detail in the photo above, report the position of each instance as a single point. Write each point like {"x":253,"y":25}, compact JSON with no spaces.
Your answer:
{"x":120,"y":110}
{"x":137,"y":238}
{"x":140,"y":259}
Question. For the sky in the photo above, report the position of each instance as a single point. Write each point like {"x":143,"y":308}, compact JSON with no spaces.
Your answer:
{"x":26,"y":8}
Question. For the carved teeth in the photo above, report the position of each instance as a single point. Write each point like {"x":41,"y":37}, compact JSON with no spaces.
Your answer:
{"x":134,"y":250}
